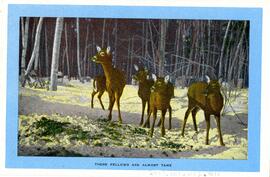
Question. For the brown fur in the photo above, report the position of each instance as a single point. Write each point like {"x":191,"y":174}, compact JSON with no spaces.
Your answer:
{"x":99,"y":86}
{"x":144,"y":89}
{"x":115,"y":79}
{"x":205,"y":96}
{"x":159,"y":100}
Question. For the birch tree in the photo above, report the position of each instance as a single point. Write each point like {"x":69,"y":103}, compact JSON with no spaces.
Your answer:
{"x":222,"y":49}
{"x":36,"y":47}
{"x":163,"y":29}
{"x":25,"y":32}
{"x":66,"y":50}
{"x":78,"y":47}
{"x":55,"y":55}
{"x":230,"y":74}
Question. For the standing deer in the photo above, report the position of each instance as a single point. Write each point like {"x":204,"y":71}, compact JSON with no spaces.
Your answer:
{"x":205,"y":96}
{"x":159,"y":100}
{"x":144,"y":91}
{"x":99,"y":85}
{"x":115,"y":79}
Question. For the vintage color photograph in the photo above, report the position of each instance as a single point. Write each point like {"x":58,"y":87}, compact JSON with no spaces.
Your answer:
{"x":146,"y":88}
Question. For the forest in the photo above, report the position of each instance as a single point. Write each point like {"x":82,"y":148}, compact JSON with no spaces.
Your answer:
{"x":184,"y":49}
{"x":58,"y":69}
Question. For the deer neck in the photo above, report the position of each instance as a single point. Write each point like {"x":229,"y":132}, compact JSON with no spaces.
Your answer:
{"x":108,"y":70}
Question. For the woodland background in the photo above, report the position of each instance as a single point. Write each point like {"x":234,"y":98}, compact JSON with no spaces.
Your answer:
{"x":184,"y":49}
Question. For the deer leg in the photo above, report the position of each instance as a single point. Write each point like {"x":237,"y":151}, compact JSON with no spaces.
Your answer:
{"x":112,"y":100}
{"x":143,"y":108}
{"x":185,"y":119}
{"x":92,"y":99}
{"x":170,"y":117}
{"x":117,"y":97}
{"x":148,"y":106}
{"x":162,"y":122}
{"x":194,"y":112}
{"x":147,"y":122}
{"x":219,"y":131}
{"x":99,"y":98}
{"x":207,"y":119}
{"x":159,"y":123}
{"x":153,"y":124}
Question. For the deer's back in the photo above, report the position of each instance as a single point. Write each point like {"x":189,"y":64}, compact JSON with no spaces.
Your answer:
{"x":200,"y":95}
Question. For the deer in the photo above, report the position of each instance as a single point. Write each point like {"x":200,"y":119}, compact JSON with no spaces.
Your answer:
{"x":99,"y":85}
{"x":159,"y":100}
{"x":145,"y":84}
{"x":170,"y":90}
{"x":115,"y":79}
{"x":206,"y":96}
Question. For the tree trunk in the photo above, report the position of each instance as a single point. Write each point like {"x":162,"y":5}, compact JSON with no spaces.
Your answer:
{"x":162,"y":46}
{"x":177,"y":44}
{"x":183,"y":47}
{"x":46,"y":53}
{"x":131,"y":58}
{"x":194,"y":39}
{"x":236,"y":52}
{"x":85,"y":50}
{"x":67,"y":56}
{"x":115,"y":42}
{"x":208,"y":44}
{"x":36,"y":47}
{"x":146,"y":54}
{"x":128,"y":58}
{"x":153,"y":46}
{"x":78,"y":47}
{"x":103,"y":33}
{"x":55,"y":55}
{"x":222,"y":50}
{"x":25,"y":30}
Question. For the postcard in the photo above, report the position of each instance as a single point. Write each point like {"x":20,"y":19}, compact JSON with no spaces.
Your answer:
{"x":133,"y":88}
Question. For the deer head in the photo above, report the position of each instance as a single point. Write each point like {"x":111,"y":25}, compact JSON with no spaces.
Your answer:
{"x":213,"y":85}
{"x":141,"y":75}
{"x":103,"y":55}
{"x":161,"y":83}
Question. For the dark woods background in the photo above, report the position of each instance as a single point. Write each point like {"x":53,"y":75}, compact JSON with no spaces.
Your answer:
{"x":184,"y":49}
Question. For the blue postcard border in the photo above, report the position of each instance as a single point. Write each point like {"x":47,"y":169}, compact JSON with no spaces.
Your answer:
{"x":254,"y":15}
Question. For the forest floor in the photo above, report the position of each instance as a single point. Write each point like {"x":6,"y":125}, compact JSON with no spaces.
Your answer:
{"x":61,"y":123}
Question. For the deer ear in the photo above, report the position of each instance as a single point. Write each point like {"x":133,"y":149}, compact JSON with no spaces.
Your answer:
{"x":207,"y":79}
{"x":98,"y":49}
{"x":147,"y":77}
{"x":154,"y":77}
{"x":136,"y":67}
{"x":108,"y":49}
{"x":166,"y":79}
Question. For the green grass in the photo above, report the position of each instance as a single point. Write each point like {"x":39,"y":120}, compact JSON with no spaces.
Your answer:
{"x":48,"y":127}
{"x":171,"y":145}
